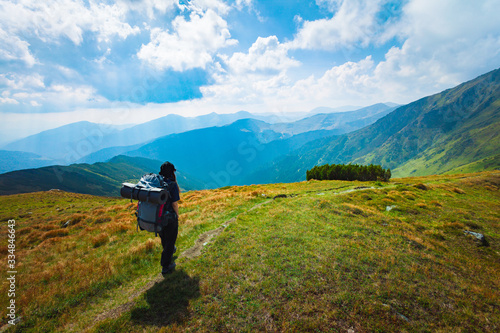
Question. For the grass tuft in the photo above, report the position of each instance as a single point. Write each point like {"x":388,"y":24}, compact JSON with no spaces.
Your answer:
{"x":100,"y":239}
{"x":421,"y":186}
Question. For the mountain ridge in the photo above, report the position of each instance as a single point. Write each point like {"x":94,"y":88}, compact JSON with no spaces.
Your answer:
{"x":102,"y":179}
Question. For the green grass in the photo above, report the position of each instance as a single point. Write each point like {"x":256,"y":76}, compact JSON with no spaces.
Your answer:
{"x":320,"y":259}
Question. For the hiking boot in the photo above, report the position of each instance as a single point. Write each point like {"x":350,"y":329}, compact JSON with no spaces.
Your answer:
{"x":169,"y":269}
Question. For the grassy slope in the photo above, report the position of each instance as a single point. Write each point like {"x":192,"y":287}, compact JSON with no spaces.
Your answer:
{"x":473,"y":147}
{"x":320,"y":259}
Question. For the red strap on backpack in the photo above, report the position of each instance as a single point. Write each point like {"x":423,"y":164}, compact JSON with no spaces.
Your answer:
{"x":161,"y":210}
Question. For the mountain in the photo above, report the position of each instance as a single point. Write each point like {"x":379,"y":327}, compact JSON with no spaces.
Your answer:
{"x":65,"y":144}
{"x":226,"y":155}
{"x":16,"y":160}
{"x":220,"y":156}
{"x":324,"y":109}
{"x":171,"y":124}
{"x":339,"y":122}
{"x":336,"y":123}
{"x":70,"y":143}
{"x":457,"y":128}
{"x":86,"y":142}
{"x":97,"y":179}
{"x":104,"y":155}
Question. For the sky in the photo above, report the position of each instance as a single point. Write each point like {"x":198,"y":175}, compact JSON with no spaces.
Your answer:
{"x":131,"y":61}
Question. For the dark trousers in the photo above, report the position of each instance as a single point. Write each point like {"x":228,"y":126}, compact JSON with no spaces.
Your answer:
{"x":168,"y":237}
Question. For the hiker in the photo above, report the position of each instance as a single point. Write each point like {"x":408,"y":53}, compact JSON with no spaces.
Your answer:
{"x":168,"y":234}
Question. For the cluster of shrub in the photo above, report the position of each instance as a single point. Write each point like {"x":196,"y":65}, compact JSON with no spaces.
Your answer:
{"x":349,"y":172}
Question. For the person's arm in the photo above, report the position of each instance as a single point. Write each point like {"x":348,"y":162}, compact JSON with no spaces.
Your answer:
{"x":175,"y":206}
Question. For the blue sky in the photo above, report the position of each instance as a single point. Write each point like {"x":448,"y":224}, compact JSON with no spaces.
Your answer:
{"x":130,"y":61}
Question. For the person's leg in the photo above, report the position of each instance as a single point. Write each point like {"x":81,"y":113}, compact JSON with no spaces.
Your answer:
{"x":164,"y":243}
{"x":169,"y":236}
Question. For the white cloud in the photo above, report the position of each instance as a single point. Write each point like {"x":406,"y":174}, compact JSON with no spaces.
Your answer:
{"x":191,"y":44}
{"x":450,"y":38}
{"x":201,"y":6}
{"x":444,"y":43}
{"x":239,"y":4}
{"x":51,"y":19}
{"x":27,"y":91}
{"x":353,"y":22}
{"x":5,"y":99}
{"x":345,"y":83}
{"x":150,"y":7}
{"x":247,"y":77}
{"x":21,"y":82}
{"x":265,"y":55}
{"x":13,"y":48}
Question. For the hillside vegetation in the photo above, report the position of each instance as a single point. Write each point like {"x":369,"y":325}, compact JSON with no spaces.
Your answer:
{"x":308,"y":256}
{"x":96,"y":179}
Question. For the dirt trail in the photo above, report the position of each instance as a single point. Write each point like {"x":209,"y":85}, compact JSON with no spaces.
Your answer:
{"x":207,"y":237}
{"x":203,"y":240}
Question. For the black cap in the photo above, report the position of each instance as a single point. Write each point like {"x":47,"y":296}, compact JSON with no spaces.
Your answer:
{"x":167,"y":169}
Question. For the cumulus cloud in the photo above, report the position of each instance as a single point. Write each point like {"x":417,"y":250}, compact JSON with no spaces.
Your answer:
{"x":446,"y":39}
{"x":265,"y":55}
{"x":353,"y":22}
{"x":343,"y":84}
{"x":408,"y":49}
{"x":247,"y":77}
{"x":49,"y":20}
{"x":191,"y":43}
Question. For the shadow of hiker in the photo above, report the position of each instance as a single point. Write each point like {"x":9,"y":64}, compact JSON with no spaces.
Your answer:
{"x":168,"y":300}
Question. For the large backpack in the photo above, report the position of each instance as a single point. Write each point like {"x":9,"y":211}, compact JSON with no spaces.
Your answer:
{"x":152,"y":193}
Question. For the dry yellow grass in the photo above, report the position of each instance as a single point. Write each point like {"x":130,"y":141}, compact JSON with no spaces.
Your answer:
{"x":102,"y":219}
{"x":100,"y":239}
{"x":145,"y":247}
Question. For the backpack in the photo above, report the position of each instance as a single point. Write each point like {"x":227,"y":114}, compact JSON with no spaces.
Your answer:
{"x":152,"y":193}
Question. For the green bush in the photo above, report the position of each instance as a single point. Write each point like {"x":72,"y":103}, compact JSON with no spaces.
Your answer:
{"x":349,"y":172}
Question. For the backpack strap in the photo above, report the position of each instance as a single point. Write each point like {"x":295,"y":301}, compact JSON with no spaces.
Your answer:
{"x":156,"y":224}
{"x":132,"y":194}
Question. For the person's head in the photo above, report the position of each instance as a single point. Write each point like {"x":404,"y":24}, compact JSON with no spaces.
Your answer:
{"x":167,"y":170}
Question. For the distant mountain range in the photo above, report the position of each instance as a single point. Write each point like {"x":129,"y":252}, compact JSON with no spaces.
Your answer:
{"x":77,"y":142}
{"x":218,"y":156}
{"x":456,"y":130}
{"x":335,"y":123}
{"x":70,"y":143}
{"x":17,"y":160}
